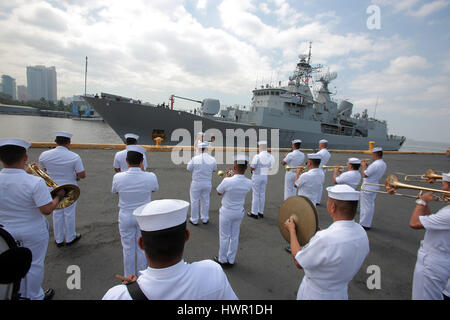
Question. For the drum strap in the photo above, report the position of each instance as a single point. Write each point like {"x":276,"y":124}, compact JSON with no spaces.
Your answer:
{"x":135,"y":291}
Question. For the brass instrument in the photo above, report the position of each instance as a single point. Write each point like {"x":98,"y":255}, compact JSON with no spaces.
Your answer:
{"x":392,"y":184}
{"x":289,"y":168}
{"x":331,"y":168}
{"x":226,"y":173}
{"x":72,"y":191}
{"x":430,"y":176}
{"x":366,"y":160}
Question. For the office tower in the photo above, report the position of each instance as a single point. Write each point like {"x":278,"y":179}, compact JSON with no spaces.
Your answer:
{"x":41,"y":83}
{"x":9,"y":86}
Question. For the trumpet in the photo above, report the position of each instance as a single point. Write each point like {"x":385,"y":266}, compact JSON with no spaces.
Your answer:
{"x":430,"y":176}
{"x":331,"y":168}
{"x":72,"y":191}
{"x":392,"y":184}
{"x":366,"y":160}
{"x":226,"y":173}
{"x":289,"y":168}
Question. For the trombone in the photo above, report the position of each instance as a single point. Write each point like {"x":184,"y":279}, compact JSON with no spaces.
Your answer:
{"x":430,"y":176}
{"x":392,"y":184}
{"x":72,"y":191}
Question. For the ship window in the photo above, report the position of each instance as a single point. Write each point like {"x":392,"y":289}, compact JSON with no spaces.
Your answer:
{"x":277,"y":93}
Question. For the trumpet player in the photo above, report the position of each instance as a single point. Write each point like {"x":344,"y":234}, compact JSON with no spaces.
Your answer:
{"x":120,"y":158}
{"x":325,"y":157}
{"x":24,"y":201}
{"x":372,"y":174}
{"x":202,"y":166}
{"x":64,"y":167}
{"x":310,"y":183}
{"x":432,"y":269}
{"x":351,"y":177}
{"x":294,"y":158}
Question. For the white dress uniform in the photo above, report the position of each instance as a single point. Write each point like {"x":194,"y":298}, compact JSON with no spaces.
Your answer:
{"x":310,"y":183}
{"x":261,"y":164}
{"x":234,"y":189}
{"x":293,"y":159}
{"x":120,"y":161}
{"x":351,"y":178}
{"x":202,"y":167}
{"x":374,"y":173}
{"x":325,"y":157}
{"x":203,"y":280}
{"x":432,"y":269}
{"x":21,"y":195}
{"x":333,"y":256}
{"x":62,"y":166}
{"x":135,"y":188}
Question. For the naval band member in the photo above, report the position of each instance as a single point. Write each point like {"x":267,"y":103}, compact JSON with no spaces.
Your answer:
{"x":64,"y":167}
{"x":310,"y":183}
{"x":135,"y":188}
{"x":233,"y":189}
{"x":325,"y":156}
{"x":294,"y":158}
{"x":371,"y":174}
{"x":351,"y":177}
{"x":333,"y":256}
{"x":260,"y":166}
{"x":120,"y":163}
{"x":24,"y":201}
{"x":432,"y":270}
{"x":168,"y":276}
{"x":202,"y":166}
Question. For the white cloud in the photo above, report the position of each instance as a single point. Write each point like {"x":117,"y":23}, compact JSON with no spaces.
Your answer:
{"x":429,"y":8}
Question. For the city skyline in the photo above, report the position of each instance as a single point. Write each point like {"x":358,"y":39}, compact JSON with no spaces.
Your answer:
{"x":222,"y":49}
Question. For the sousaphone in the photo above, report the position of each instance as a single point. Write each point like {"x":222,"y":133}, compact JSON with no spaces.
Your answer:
{"x":304,"y":213}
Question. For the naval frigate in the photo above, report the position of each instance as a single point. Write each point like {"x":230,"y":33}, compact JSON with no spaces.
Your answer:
{"x":300,"y":110}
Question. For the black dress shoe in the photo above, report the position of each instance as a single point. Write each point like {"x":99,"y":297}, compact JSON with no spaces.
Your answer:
{"x":254,"y":216}
{"x":260,"y":215}
{"x":49,"y":293}
{"x":288,"y":249}
{"x":59,"y":245}
{"x":194,"y":224}
{"x":205,"y":222}
{"x":366,"y":228}
{"x":77,"y":237}
{"x":223,"y":264}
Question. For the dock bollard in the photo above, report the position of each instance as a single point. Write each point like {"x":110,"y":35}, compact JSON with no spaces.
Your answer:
{"x":158,"y":141}
{"x":371,"y":146}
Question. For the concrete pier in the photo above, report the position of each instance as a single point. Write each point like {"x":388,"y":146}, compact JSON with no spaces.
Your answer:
{"x":263,"y":269}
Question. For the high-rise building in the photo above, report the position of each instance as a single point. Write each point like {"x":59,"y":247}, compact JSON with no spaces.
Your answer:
{"x":41,"y":83}
{"x":22,"y":94}
{"x":9,"y":86}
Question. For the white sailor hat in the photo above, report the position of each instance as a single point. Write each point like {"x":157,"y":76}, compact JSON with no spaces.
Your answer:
{"x":354,"y":161}
{"x":323,"y":141}
{"x":343,"y":192}
{"x":136,"y":148}
{"x":200,"y":133}
{"x":131,"y":135}
{"x":240,"y":158}
{"x":161,"y":214}
{"x":63,"y":134}
{"x":262,"y":142}
{"x":376,"y":149}
{"x":202,"y":145}
{"x":296,"y":141}
{"x":446,"y":177}
{"x":313,"y":156}
{"x":14,"y":142}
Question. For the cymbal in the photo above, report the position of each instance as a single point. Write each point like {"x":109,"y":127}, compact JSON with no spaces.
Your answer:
{"x":305,"y":216}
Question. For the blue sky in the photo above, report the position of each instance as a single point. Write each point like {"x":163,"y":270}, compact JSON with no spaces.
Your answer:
{"x":222,"y":48}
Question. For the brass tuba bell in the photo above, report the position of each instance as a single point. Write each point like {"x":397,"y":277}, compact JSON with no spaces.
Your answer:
{"x":72,"y":191}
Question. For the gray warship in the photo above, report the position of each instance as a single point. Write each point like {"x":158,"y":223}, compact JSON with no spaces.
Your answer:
{"x":297,"y":109}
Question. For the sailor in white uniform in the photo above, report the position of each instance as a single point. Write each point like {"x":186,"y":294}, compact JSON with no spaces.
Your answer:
{"x":261,"y":164}
{"x":234,"y":190}
{"x":371,"y":174}
{"x":202,"y":166}
{"x":351,"y":177}
{"x":64,"y":167}
{"x":332,"y":256}
{"x":168,"y":276}
{"x":24,"y":201}
{"x":325,"y":155}
{"x":120,"y":163}
{"x":200,"y":138}
{"x":135,"y":188}
{"x":310,"y":183}
{"x":294,"y":158}
{"x":432,"y":270}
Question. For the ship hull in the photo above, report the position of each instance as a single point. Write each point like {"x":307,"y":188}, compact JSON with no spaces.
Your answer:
{"x":144,"y":120}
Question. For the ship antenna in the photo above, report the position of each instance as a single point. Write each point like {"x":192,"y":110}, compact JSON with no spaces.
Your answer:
{"x":85,"y":76}
{"x":309,"y":54}
{"x":376,"y":105}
